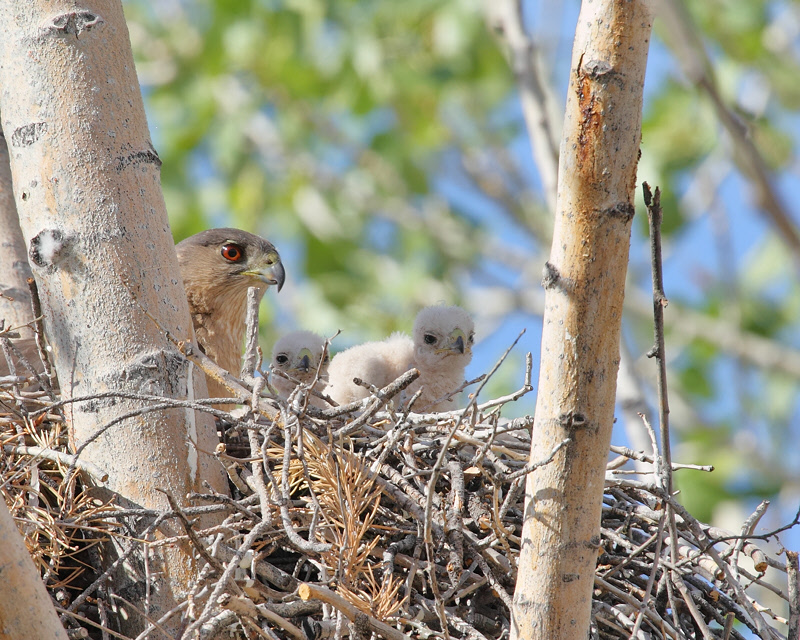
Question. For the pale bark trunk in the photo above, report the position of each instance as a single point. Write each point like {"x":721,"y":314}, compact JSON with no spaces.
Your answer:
{"x":15,"y":304}
{"x":87,"y":188}
{"x":26,"y":610}
{"x":585,"y":281}
{"x":15,"y":300}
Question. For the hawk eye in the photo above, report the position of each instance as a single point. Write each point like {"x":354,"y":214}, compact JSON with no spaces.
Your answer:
{"x":281,"y":359}
{"x":430,"y":339}
{"x":232,"y":252}
{"x":471,"y":338}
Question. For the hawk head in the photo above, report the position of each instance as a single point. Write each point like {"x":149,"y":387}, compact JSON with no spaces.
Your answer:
{"x":223,"y":259}
{"x":218,"y":266}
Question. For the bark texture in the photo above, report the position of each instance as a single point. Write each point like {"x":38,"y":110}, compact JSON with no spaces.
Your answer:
{"x":88,"y":193}
{"x":15,"y":300}
{"x":26,"y":610}
{"x":584,"y":282}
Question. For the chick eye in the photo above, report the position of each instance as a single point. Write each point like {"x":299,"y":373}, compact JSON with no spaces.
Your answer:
{"x":232,"y":252}
{"x":471,"y":338}
{"x":281,"y":359}
{"x":430,"y":339}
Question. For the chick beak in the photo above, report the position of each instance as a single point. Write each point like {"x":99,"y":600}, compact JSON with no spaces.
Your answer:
{"x":270,"y":273}
{"x":305,"y":361}
{"x":457,"y":341}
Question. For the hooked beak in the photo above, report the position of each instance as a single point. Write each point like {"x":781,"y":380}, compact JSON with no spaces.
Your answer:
{"x":458,"y":341}
{"x":305,"y":361}
{"x":272,"y":273}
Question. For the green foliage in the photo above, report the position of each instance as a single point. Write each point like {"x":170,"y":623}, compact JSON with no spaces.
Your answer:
{"x":312,"y":121}
{"x":377,"y":143}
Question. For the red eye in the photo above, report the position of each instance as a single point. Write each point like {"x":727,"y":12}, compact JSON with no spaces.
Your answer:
{"x":232,"y":252}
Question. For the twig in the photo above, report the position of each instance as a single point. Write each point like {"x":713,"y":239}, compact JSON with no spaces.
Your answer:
{"x":60,"y":457}
{"x":747,"y":529}
{"x":762,"y":583}
{"x":112,"y":567}
{"x":505,"y":18}
{"x":654,"y":214}
{"x":454,"y":521}
{"x":794,"y":594}
{"x":188,"y":527}
{"x":763,"y":629}
{"x":250,"y":362}
{"x":626,"y":597}
{"x":244,"y":606}
{"x":730,"y":618}
{"x":272,"y":574}
{"x":692,"y":56}
{"x":690,"y":604}
{"x":85,"y":620}
{"x":247,"y":544}
{"x":308,"y":591}
{"x":532,"y":466}
{"x":527,"y":386}
{"x":155,"y":624}
{"x":651,"y":578}
{"x":38,"y":332}
{"x":378,"y":401}
{"x":643,"y":457}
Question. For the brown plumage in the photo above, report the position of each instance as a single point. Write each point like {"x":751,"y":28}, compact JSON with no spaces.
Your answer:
{"x":218,"y":266}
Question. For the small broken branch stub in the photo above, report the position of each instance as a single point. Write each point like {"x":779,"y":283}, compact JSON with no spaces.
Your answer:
{"x":26,"y":135}
{"x":572,"y":420}
{"x":72,"y":23}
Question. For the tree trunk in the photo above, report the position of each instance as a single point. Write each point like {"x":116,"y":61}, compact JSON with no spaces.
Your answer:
{"x":584,"y":282}
{"x":26,"y":610}
{"x":87,"y":187}
{"x":15,"y":300}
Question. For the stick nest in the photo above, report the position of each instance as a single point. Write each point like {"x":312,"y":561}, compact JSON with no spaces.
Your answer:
{"x":367,"y":520}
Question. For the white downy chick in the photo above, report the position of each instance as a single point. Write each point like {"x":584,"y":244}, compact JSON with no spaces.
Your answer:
{"x":443,"y":339}
{"x":378,"y":363}
{"x":440,"y":349}
{"x":298,"y":355}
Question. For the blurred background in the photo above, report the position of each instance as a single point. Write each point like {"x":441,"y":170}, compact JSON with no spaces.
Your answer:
{"x":401,"y":154}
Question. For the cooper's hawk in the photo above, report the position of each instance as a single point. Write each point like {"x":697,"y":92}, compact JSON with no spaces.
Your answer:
{"x":218,"y":266}
{"x":440,"y":349}
{"x":298,"y":354}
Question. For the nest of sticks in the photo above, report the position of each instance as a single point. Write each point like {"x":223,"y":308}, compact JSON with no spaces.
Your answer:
{"x":365,"y":520}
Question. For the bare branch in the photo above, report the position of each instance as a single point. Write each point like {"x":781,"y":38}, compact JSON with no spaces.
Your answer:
{"x":692,"y":55}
